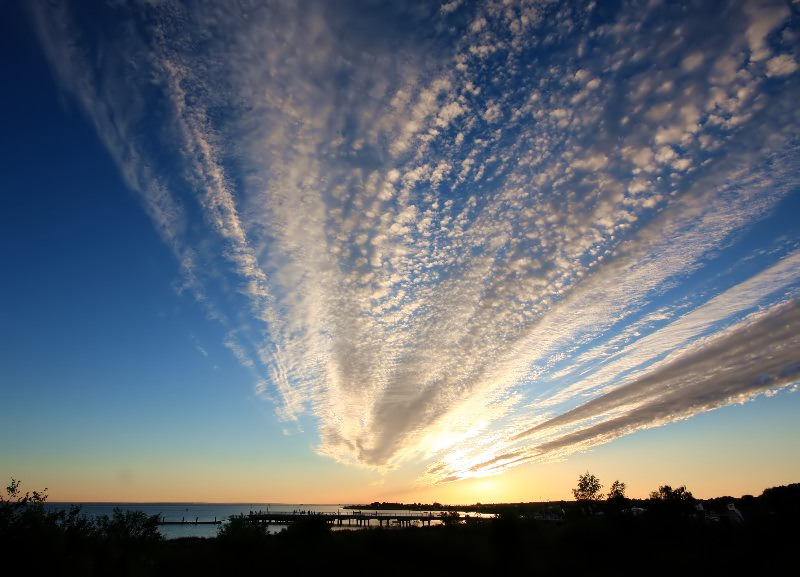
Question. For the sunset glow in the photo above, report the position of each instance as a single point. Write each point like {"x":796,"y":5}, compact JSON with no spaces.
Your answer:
{"x":345,"y":251}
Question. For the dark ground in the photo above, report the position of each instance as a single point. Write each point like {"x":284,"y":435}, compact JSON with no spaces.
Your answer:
{"x":623,"y":546}
{"x":669,"y":538}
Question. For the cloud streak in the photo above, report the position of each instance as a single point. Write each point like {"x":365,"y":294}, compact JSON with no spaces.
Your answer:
{"x":463,"y":235}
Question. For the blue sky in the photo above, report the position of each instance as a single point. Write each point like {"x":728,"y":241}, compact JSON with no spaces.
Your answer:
{"x":452,"y":249}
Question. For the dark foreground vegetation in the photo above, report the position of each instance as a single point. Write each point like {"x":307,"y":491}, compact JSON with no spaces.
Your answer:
{"x":612,"y":535}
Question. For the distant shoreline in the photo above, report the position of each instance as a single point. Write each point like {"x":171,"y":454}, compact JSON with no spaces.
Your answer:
{"x":474,"y":508}
{"x":196,"y":503}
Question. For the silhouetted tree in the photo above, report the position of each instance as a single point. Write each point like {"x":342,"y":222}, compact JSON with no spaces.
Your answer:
{"x":616,"y":500}
{"x":617,"y":491}
{"x":240,"y":529}
{"x":588,"y":492}
{"x":667,"y":493}
{"x":22,"y":517}
{"x":782,"y":501}
{"x":314,"y":526}
{"x":25,"y":517}
{"x":588,"y":488}
{"x":666,"y":500}
{"x":450,"y":518}
{"x":129,"y":526}
{"x":49,"y":540}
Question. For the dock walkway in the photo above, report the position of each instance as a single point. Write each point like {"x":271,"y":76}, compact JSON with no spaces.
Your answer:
{"x":357,"y":518}
{"x":196,"y":521}
{"x":350,"y":519}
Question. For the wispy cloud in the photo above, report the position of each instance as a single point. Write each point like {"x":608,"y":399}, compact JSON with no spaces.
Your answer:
{"x":463,"y":234}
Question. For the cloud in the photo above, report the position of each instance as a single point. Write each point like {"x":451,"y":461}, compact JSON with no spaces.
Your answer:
{"x":781,"y":65}
{"x":729,"y":369}
{"x":733,"y":368}
{"x":764,"y":18}
{"x":438,"y":235}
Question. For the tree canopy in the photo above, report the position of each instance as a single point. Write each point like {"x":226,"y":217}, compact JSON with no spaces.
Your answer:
{"x":588,"y":489}
{"x":617,"y":491}
{"x":667,"y":493}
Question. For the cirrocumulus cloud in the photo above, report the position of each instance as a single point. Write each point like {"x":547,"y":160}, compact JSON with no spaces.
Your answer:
{"x":470,"y":236}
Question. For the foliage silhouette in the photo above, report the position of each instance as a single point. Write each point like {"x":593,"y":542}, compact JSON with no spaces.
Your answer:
{"x":667,"y":501}
{"x":588,"y":488}
{"x":587,"y":492}
{"x":129,"y":526}
{"x":239,"y":528}
{"x":308,"y":526}
{"x":616,"y":492}
{"x":616,"y":501}
{"x":450,"y":518}
{"x":783,"y":501}
{"x":522,"y":540}
{"x":63,"y":540}
{"x":667,"y":493}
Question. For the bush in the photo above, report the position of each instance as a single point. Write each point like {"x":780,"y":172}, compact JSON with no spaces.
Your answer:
{"x":239,"y":528}
{"x":309,"y":526}
{"x":129,"y":526}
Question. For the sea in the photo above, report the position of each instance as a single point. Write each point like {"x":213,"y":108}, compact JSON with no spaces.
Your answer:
{"x":191,"y":513}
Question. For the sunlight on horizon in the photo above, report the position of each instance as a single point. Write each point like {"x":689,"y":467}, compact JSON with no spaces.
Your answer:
{"x":453,"y":251}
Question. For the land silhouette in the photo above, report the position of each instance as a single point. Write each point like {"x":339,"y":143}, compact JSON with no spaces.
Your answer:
{"x":668,"y":532}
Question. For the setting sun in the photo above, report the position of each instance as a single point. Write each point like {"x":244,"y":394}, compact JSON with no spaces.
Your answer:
{"x":355,"y":251}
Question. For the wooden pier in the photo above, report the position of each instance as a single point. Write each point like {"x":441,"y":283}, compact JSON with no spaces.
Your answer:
{"x":354,"y":518}
{"x":350,"y":519}
{"x":190,"y":522}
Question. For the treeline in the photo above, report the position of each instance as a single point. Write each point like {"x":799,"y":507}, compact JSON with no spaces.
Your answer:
{"x":389,"y":506}
{"x":596,"y":532}
{"x":666,"y":501}
{"x":589,"y":499}
{"x":35,"y":540}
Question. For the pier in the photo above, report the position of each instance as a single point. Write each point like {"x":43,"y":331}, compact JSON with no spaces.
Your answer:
{"x":196,"y":521}
{"x":354,"y":518}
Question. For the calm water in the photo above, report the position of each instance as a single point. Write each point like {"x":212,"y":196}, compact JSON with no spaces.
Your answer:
{"x":206,"y":512}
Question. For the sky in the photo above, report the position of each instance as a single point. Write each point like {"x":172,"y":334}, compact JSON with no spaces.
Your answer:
{"x":332,"y":252}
